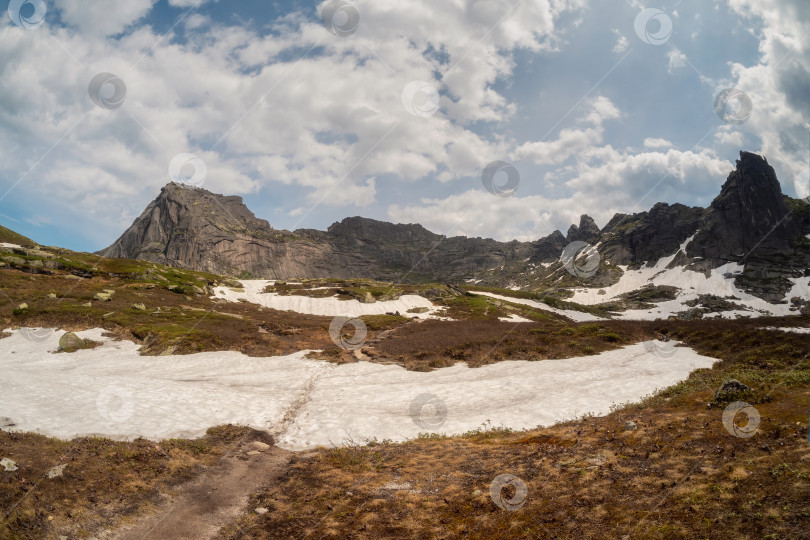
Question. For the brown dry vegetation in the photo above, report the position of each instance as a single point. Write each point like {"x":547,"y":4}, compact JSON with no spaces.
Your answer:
{"x":679,"y":475}
{"x":104,"y":481}
{"x":433,"y":344}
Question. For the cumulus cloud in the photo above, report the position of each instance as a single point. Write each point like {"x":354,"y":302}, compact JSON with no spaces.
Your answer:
{"x":605,"y":181}
{"x":571,"y":141}
{"x":676,"y":59}
{"x":102,"y":17}
{"x":622,"y":43}
{"x":779,"y":83}
{"x":656,"y":142}
{"x":255,"y":106}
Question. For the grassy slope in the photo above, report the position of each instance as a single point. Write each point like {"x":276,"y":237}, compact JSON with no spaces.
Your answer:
{"x":11,"y":237}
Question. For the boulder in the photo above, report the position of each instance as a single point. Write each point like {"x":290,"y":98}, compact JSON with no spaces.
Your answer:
{"x":102,"y":296}
{"x":22,"y":306}
{"x":368,"y":298}
{"x":70,"y":342}
{"x":56,"y":472}
{"x":8,"y":464}
{"x":51,"y":295}
{"x":139,"y":307}
{"x":13,"y":261}
{"x":730,"y":390}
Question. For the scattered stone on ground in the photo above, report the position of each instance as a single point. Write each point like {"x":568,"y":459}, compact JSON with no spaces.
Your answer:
{"x":8,"y":464}
{"x":139,"y":307}
{"x":56,"y":472}
{"x":629,"y":425}
{"x":259,"y":445}
{"x":70,"y":342}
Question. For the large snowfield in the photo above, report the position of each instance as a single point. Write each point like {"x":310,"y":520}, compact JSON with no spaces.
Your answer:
{"x":113,"y":391}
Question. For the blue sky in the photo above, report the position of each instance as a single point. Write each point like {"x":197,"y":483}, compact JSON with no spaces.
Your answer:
{"x":396,"y":118}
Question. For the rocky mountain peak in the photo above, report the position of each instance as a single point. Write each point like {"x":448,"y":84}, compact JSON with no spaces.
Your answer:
{"x":587,"y":231}
{"x":364,"y":230}
{"x":750,"y":214}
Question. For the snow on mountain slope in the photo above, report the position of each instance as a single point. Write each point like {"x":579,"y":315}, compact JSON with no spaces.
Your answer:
{"x":113,"y":391}
{"x":720,"y":282}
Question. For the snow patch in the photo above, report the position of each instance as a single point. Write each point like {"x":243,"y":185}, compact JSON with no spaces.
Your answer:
{"x":513,"y":317}
{"x":577,"y":316}
{"x":796,"y":330}
{"x":328,"y":307}
{"x":113,"y":391}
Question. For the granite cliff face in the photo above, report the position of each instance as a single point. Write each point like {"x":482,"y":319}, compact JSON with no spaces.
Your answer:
{"x":193,"y":228}
{"x":750,"y":222}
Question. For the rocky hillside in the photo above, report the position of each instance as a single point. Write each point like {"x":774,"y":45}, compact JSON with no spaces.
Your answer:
{"x":750,"y":222}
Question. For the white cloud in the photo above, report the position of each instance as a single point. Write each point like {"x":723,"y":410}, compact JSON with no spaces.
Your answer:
{"x":571,"y":141}
{"x":261,"y":98}
{"x":622,"y":43}
{"x":779,"y":83}
{"x":656,"y":142}
{"x":188,"y":3}
{"x":676,"y":58}
{"x":478,"y":213}
{"x":728,"y":136}
{"x":606,"y":181}
{"x":100,"y":16}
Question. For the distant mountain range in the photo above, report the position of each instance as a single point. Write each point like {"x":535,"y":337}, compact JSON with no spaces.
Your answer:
{"x":750,"y":223}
